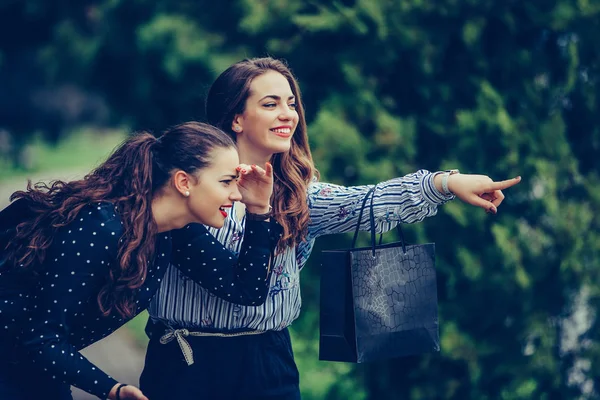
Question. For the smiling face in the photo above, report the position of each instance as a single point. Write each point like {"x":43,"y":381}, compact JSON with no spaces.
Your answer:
{"x":215,"y":188}
{"x":269,"y":119}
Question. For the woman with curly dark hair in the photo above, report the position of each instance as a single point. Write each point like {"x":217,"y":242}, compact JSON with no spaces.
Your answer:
{"x":81,"y":258}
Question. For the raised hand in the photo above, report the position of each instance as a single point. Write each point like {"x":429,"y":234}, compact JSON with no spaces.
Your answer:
{"x":480,"y":190}
{"x":256,"y":186}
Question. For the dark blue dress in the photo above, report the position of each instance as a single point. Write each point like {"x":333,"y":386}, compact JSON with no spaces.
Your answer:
{"x":60,"y":315}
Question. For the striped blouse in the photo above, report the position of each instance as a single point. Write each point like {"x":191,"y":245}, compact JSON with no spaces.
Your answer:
{"x":181,"y":303}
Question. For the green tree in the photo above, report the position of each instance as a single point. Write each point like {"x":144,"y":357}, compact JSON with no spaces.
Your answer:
{"x":502,"y":88}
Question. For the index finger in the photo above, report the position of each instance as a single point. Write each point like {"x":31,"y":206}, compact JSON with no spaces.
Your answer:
{"x":504,"y":184}
{"x":269,"y":169}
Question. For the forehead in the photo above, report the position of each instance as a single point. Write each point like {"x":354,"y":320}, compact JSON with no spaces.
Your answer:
{"x":224,"y":160}
{"x":271,"y":82}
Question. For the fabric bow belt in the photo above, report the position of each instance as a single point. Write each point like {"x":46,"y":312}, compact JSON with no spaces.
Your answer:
{"x":185,"y":347}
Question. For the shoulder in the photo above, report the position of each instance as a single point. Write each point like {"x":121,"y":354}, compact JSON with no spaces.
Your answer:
{"x":88,"y":242}
{"x":95,"y":222}
{"x":103,"y":215}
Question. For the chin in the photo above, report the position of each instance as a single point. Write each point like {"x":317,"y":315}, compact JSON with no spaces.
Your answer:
{"x":214,"y":224}
{"x":280,"y":148}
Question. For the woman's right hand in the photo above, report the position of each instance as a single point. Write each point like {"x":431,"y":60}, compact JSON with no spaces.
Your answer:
{"x":256,"y":187}
{"x":478,"y":190}
{"x":126,"y":392}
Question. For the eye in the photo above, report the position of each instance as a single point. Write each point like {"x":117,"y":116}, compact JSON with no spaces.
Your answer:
{"x":292,"y":106}
{"x":226,"y":182}
{"x":270,"y":105}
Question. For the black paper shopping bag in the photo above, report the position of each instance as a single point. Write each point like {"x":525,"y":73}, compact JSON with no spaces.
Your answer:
{"x":378,"y":302}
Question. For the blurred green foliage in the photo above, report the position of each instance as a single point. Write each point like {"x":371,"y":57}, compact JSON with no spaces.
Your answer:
{"x":503,"y":88}
{"x":77,"y":152}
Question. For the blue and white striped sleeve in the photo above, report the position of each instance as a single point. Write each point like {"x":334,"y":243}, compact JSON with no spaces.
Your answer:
{"x":407,"y":199}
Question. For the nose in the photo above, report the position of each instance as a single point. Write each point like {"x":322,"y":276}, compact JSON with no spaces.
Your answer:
{"x":287,"y":113}
{"x":235,"y":194}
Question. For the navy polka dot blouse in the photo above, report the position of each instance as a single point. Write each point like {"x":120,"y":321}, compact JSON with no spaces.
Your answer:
{"x":61,"y":315}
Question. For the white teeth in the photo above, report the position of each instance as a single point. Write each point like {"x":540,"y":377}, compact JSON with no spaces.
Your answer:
{"x":282,"y":130}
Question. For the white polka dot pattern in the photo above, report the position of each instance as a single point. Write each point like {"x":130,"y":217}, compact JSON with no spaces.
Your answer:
{"x":61,"y":316}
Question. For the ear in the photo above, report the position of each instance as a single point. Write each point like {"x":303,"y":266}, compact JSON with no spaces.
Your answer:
{"x":237,"y":125}
{"x":182,"y":182}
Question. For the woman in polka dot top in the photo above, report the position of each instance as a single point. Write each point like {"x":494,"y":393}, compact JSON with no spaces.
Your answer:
{"x":89,"y":255}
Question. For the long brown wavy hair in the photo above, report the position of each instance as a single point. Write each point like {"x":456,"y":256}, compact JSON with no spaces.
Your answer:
{"x":294,"y":169}
{"x":130,"y":178}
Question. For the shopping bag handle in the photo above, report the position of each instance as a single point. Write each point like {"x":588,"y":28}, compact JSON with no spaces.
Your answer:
{"x":371,"y":193}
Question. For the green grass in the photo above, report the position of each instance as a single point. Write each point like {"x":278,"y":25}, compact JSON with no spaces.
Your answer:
{"x":80,"y":150}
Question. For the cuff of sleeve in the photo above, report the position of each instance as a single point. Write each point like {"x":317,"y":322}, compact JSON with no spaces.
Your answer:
{"x":105,"y":387}
{"x":430,"y":192}
{"x":258,"y":230}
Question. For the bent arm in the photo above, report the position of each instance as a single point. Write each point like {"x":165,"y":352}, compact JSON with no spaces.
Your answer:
{"x":243,"y":278}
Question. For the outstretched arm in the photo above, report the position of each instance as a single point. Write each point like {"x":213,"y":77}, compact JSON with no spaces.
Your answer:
{"x":407,"y":199}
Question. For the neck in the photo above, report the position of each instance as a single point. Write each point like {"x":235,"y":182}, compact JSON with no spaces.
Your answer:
{"x":251,"y":155}
{"x":168,"y":213}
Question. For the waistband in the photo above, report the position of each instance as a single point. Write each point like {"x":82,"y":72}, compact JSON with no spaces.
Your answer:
{"x":167,"y":334}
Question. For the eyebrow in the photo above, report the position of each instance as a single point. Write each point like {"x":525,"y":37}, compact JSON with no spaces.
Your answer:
{"x":275,"y":97}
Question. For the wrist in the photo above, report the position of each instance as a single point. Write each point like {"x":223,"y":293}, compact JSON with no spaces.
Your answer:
{"x":437,"y":181}
{"x":445,"y":181}
{"x":115,"y":392}
{"x":259,"y":216}
{"x":258,"y":209}
{"x":451,"y":180}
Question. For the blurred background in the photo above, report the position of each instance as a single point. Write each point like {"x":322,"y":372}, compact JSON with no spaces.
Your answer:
{"x":502,"y":88}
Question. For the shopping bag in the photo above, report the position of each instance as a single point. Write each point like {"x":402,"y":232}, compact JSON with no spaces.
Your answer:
{"x":378,"y":302}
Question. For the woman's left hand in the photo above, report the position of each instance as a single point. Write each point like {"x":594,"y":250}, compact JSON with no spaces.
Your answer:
{"x":480,"y":190}
{"x":256,"y":186}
